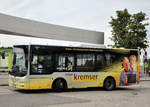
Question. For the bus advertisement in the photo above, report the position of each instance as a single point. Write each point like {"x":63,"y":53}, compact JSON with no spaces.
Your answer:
{"x":60,"y":67}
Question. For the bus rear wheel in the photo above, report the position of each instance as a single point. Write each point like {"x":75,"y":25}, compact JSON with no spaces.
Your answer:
{"x":60,"y":85}
{"x":109,"y":84}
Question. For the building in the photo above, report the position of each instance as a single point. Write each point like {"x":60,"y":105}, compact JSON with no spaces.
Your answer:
{"x":24,"y":27}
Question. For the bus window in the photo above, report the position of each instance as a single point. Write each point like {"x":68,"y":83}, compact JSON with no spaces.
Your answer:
{"x":108,"y":59}
{"x":41,"y":64}
{"x":34,"y":64}
{"x":100,"y":60}
{"x":85,"y":62}
{"x":105,"y":60}
{"x":65,"y":62}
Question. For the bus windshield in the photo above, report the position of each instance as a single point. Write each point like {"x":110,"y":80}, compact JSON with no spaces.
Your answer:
{"x":20,"y":61}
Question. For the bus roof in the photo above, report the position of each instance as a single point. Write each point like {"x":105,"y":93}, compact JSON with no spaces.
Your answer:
{"x":96,"y":47}
{"x":71,"y":46}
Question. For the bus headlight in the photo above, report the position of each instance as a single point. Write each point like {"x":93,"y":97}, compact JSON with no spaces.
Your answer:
{"x":21,"y":84}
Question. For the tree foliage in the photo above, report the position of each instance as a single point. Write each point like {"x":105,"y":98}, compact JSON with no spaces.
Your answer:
{"x":129,"y":30}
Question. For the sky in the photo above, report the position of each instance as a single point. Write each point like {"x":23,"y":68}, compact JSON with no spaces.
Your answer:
{"x":84,"y":14}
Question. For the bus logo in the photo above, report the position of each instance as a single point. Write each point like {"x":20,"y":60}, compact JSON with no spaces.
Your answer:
{"x":84,"y":77}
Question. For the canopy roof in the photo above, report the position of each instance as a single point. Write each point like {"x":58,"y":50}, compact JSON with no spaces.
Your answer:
{"x":24,"y":27}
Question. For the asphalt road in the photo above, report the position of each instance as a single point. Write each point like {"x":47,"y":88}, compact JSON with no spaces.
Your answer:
{"x":133,"y":96}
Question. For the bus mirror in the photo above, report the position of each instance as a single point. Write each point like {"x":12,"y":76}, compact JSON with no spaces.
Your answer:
{"x":14,"y":59}
{"x":3,"y":55}
{"x":8,"y":72}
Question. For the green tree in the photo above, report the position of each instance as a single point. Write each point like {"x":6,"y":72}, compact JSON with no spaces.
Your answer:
{"x":129,"y":31}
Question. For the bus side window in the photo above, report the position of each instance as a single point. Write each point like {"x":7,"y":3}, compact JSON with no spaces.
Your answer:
{"x":60,"y":63}
{"x":41,"y":64}
{"x":100,"y":61}
{"x":70,"y":63}
{"x":47,"y":64}
{"x":108,"y":59}
{"x":34,"y":64}
{"x":65,"y":62}
{"x":85,"y":62}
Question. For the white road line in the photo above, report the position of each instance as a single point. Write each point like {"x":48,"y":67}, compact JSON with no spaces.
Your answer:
{"x":5,"y":91}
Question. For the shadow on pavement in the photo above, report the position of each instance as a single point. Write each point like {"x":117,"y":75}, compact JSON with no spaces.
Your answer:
{"x":72,"y":90}
{"x":3,"y":84}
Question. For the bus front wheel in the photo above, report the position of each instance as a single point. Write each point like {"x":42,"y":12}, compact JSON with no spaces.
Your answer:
{"x":109,"y":84}
{"x":59,"y":85}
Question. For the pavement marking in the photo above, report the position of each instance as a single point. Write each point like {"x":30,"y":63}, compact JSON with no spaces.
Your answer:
{"x":5,"y":90}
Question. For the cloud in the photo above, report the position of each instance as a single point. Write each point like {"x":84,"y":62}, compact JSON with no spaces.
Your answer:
{"x":20,"y":5}
{"x":85,"y":14}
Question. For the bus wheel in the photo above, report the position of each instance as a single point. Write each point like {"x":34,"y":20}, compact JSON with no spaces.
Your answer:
{"x":59,"y":85}
{"x":109,"y":84}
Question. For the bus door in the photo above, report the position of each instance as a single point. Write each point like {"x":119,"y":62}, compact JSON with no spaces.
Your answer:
{"x":41,"y":68}
{"x":65,"y":66}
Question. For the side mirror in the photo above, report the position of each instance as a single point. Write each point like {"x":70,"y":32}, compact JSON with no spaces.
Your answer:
{"x":8,"y":72}
{"x":3,"y":55}
{"x":14,"y":59}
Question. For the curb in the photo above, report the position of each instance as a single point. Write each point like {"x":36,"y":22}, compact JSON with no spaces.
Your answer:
{"x":145,"y":79}
{"x":3,"y":73}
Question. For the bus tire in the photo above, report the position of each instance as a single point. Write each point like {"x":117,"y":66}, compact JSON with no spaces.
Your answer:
{"x":59,"y":85}
{"x":109,"y":84}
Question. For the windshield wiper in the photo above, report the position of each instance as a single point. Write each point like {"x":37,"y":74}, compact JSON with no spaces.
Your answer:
{"x":16,"y":72}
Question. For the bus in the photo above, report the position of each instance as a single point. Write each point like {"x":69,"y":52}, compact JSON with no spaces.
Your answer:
{"x":62,"y":67}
